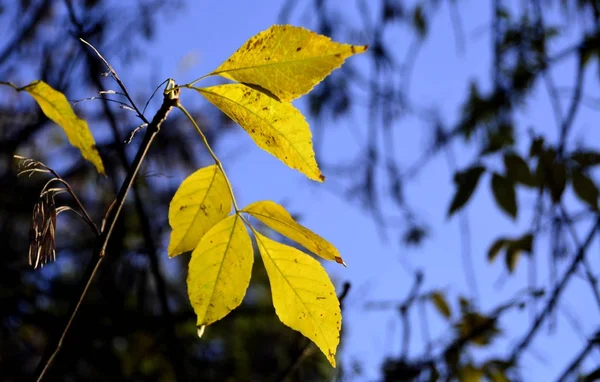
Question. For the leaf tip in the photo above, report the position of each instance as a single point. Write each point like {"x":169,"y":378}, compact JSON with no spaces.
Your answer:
{"x":201,"y":330}
{"x":339,"y":260}
{"x":321,"y":177}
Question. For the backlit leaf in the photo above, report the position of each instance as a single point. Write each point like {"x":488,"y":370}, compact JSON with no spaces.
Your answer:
{"x":303,"y":296}
{"x":276,"y":127}
{"x":495,"y":249}
{"x":512,"y":257}
{"x":470,"y":373}
{"x":504,"y":194}
{"x":219,"y":270}
{"x":201,"y":201}
{"x":517,"y":170}
{"x":466,"y":182}
{"x":514,"y":249}
{"x":56,"y":107}
{"x":585,"y":188}
{"x":285,"y":60}
{"x":440,"y":303}
{"x":278,"y":219}
{"x":586,"y":158}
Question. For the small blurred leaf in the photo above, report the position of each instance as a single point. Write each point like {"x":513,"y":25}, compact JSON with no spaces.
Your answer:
{"x":504,"y":193}
{"x":439,"y":301}
{"x":585,"y":188}
{"x":495,"y":249}
{"x":477,"y":328}
{"x":467,"y":182}
{"x":517,"y":170}
{"x":537,"y":145}
{"x":512,"y":257}
{"x":419,"y":21}
{"x":514,"y":249}
{"x":586,"y":158}
{"x":470,"y":373}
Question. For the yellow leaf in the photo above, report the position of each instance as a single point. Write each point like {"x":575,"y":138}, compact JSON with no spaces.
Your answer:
{"x":220,"y":269}
{"x":441,"y":305}
{"x":56,"y":107}
{"x":276,"y":127}
{"x":470,"y":373}
{"x":201,"y":201}
{"x":278,"y":219}
{"x":303,"y":296}
{"x":287,"y":61}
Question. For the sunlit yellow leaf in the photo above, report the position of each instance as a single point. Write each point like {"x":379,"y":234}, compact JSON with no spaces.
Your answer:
{"x":57,"y":108}
{"x":278,"y":219}
{"x":219,"y":271}
{"x":201,"y":201}
{"x":303,"y":296}
{"x":287,"y":61}
{"x":470,"y":373}
{"x":276,"y":127}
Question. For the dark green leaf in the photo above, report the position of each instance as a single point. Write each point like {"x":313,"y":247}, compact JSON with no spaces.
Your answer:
{"x":495,"y":249}
{"x":537,"y":145}
{"x":466,"y":183}
{"x":504,"y":194}
{"x":525,"y":243}
{"x":585,"y":188}
{"x":586,"y":158}
{"x":517,"y":170}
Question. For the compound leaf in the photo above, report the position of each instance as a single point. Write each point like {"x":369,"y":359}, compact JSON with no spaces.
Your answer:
{"x":56,"y":107}
{"x":303,"y":295}
{"x":285,"y":60}
{"x":219,"y":270}
{"x":276,"y":127}
{"x":202,"y":200}
{"x":278,"y":219}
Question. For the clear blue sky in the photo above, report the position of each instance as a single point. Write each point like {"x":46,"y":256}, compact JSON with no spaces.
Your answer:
{"x":204,"y":34}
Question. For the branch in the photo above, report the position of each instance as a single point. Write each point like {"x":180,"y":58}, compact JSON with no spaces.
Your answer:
{"x":171,"y":99}
{"x":555,"y":294}
{"x":594,"y":341}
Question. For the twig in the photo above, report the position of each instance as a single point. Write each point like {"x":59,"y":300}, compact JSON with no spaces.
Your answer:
{"x":171,"y":99}
{"x":586,"y":266}
{"x":594,"y":341}
{"x":555,"y":295}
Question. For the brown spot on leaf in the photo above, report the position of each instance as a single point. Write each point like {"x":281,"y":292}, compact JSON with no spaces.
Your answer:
{"x":353,"y":49}
{"x":298,"y":49}
{"x":338,"y":55}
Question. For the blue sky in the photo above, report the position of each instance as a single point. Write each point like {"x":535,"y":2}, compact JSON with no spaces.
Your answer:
{"x":196,"y":40}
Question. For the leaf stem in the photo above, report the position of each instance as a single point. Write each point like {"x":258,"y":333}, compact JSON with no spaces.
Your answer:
{"x":171,"y":99}
{"x":213,"y":155}
{"x":189,"y":85}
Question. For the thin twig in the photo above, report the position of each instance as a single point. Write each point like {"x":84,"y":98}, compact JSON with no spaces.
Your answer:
{"x":171,"y":99}
{"x":558,"y":289}
{"x":594,"y":341}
